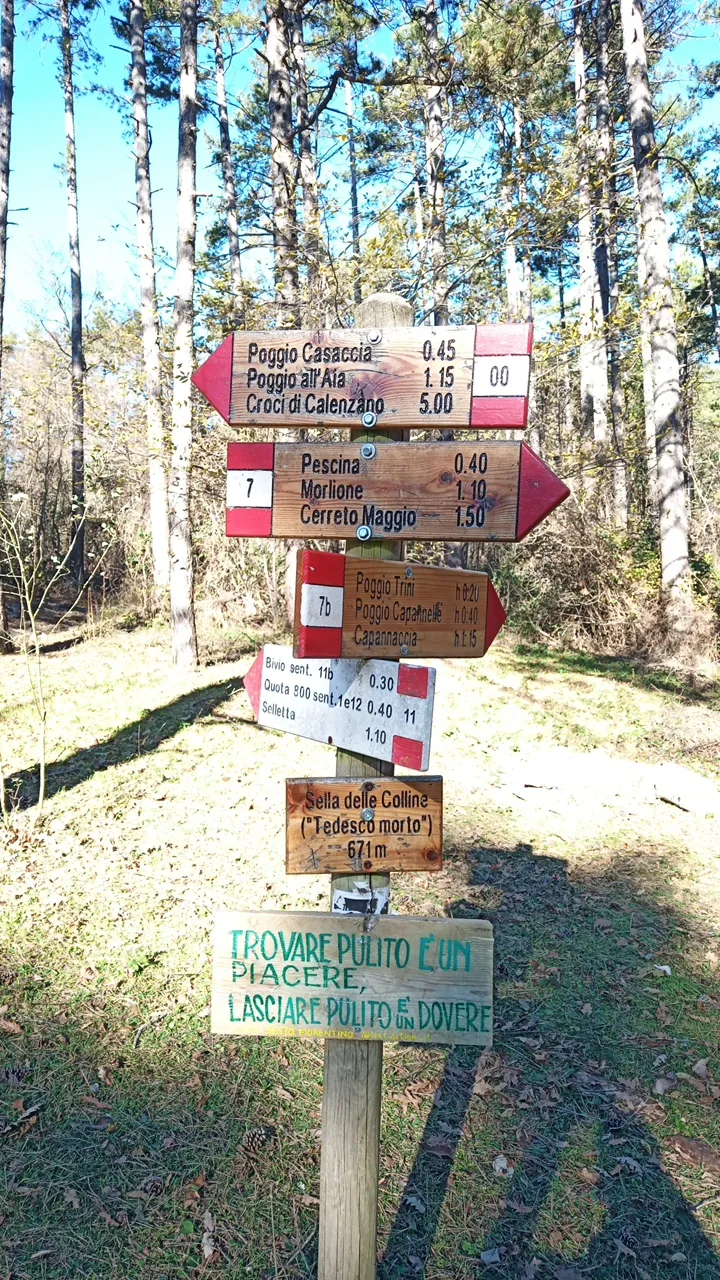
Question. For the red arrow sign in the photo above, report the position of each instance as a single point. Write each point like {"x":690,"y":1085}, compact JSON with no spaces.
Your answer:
{"x":351,"y":608}
{"x":459,"y":376}
{"x":490,"y":490}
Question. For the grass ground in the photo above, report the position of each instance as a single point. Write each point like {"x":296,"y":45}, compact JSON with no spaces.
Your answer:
{"x":124,"y":1121}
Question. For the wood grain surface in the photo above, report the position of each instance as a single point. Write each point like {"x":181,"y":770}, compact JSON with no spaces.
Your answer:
{"x":304,"y":973}
{"x":455,"y":491}
{"x":326,"y":829}
{"x":411,"y":376}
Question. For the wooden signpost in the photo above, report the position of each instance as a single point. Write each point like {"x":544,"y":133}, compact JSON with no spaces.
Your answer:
{"x":364,"y":825}
{"x":362,"y":706}
{"x":345,"y":608}
{"x":459,"y":376}
{"x":306,"y":973}
{"x":359,"y":979}
{"x":488,"y":491}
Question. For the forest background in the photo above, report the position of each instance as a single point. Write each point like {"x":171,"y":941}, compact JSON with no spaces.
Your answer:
{"x":506,"y":161}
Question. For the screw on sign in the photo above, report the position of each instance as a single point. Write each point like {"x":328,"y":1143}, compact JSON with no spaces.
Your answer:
{"x":459,"y":376}
{"x":363,"y":824}
{"x":486,"y":491}
{"x":349,"y":608}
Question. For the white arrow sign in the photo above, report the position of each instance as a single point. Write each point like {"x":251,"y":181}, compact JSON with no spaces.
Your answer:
{"x":377,"y":708}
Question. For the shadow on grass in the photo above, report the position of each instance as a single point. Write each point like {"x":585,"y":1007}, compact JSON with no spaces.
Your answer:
{"x":539,"y":658}
{"x":137,"y":1153}
{"x":562,"y":1095}
{"x":139,"y":738}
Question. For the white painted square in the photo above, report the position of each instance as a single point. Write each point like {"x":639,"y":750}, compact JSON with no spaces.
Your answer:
{"x":249,"y":488}
{"x":501,"y":376}
{"x":321,"y":606}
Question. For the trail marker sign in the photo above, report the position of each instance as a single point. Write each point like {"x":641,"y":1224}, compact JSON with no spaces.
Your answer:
{"x":305,"y":973}
{"x":351,"y":608}
{"x":365,"y":825}
{"x":369,"y":707}
{"x":490,"y":490}
{"x":459,"y":376}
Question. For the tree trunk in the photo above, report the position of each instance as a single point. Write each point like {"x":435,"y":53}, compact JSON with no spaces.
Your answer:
{"x":308,"y":169}
{"x":648,"y":383}
{"x":593,"y":369}
{"x":77,"y":373}
{"x":354,"y":205}
{"x":7,"y":45}
{"x":231,"y":205}
{"x":511,"y":266}
{"x":435,"y":152}
{"x":148,"y":308}
{"x":663,"y":334}
{"x":182,"y":608}
{"x":282,"y":166}
{"x":608,"y":262}
{"x":707,"y":276}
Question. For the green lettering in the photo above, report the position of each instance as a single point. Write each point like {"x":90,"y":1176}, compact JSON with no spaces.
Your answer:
{"x":344,"y":945}
{"x":251,"y":944}
{"x":314,"y":971}
{"x":329,"y":977}
{"x":236,"y":935}
{"x":312,"y":946}
{"x":299,"y":948}
{"x":347,"y":984}
{"x":325,"y":940}
{"x":424,"y":944}
{"x":270,"y":972}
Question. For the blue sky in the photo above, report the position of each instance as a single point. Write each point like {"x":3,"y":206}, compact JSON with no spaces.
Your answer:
{"x":38,"y":240}
{"x":106,"y":179}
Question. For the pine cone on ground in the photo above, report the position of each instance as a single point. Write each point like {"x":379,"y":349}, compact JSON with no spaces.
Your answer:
{"x":154,"y":1185}
{"x":257,"y":1138}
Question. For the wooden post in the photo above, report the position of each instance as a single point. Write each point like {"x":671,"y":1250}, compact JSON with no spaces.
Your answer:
{"x":352,"y":1085}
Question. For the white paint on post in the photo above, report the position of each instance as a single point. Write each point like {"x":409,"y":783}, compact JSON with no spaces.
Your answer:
{"x":249,"y":489}
{"x":321,"y":606}
{"x":501,"y":376}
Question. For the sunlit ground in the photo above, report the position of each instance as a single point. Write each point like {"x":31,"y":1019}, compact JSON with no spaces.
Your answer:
{"x":126,"y":1122}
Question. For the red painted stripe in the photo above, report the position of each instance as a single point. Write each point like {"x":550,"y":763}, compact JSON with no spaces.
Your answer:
{"x":320,"y":642}
{"x":413,"y":682}
{"x":248,"y":522}
{"x":503,"y":339}
{"x":407,"y":751}
{"x":323,"y":568}
{"x":499,"y":411}
{"x":250,"y":457}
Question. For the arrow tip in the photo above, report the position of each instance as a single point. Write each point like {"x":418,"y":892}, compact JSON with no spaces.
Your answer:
{"x":540,"y":491}
{"x":253,"y":682}
{"x":214,"y":378}
{"x":495,"y":615}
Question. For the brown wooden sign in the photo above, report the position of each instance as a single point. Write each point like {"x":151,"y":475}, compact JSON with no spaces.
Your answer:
{"x":305,"y":973}
{"x":351,"y":608}
{"x":366,"y":825}
{"x":490,"y":490}
{"x":459,"y":376}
